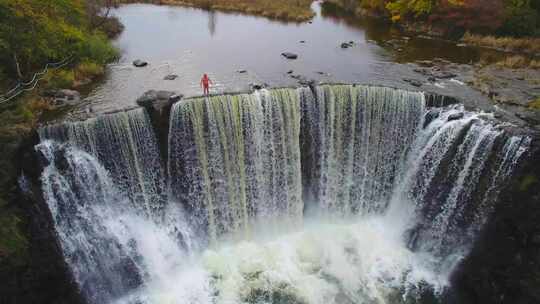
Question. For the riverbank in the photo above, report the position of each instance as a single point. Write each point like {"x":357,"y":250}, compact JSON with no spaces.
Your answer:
{"x":284,"y":10}
{"x":500,"y":27}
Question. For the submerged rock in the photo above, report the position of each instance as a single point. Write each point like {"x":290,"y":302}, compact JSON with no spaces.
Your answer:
{"x":170,"y":77}
{"x":289,"y":55}
{"x":413,"y":82}
{"x":139,"y":63}
{"x":430,"y":116}
{"x":257,"y":86}
{"x":455,"y":116}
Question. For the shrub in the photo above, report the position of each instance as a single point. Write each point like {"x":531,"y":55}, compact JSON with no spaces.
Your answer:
{"x":88,"y":70}
{"x":59,"y":79}
{"x":96,"y":48}
{"x":519,"y":22}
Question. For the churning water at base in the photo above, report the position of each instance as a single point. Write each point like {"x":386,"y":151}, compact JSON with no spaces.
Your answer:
{"x":348,"y":194}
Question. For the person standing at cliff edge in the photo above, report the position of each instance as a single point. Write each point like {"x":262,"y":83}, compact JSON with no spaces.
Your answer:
{"x":205,"y":84}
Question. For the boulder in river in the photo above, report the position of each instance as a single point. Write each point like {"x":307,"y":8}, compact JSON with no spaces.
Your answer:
{"x":170,"y":77}
{"x":455,"y":116}
{"x":140,"y":63}
{"x":289,"y":55}
{"x":413,"y":82}
{"x":257,"y":86}
{"x":155,"y":98}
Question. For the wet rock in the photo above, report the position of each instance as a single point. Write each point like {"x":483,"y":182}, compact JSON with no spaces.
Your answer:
{"x":297,"y":76}
{"x":425,"y":63}
{"x":345,"y":45}
{"x":257,"y":86}
{"x":302,"y":41}
{"x":289,"y":55}
{"x":155,"y":98}
{"x":307,"y":82}
{"x":147,"y":98}
{"x":290,"y":71}
{"x":65,"y":96}
{"x":445,"y":75}
{"x":164,"y":94}
{"x":413,"y":82}
{"x":455,"y":116}
{"x":170,"y":77}
{"x":430,"y":116}
{"x":139,"y":63}
{"x":241,"y":71}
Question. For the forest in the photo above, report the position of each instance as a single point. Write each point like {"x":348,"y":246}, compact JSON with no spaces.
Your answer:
{"x":517,"y":18}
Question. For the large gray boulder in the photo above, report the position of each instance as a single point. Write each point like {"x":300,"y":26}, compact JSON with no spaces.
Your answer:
{"x":158,"y":99}
{"x":140,"y":63}
{"x":289,"y":55}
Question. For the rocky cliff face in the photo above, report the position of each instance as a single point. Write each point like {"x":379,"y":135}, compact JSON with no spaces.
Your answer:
{"x":43,"y":276}
{"x":504,"y":266}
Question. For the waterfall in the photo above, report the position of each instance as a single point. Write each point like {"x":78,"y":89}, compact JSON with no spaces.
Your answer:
{"x":126,"y":146}
{"x":361,"y":136}
{"x":235,"y":159}
{"x":331,"y":194}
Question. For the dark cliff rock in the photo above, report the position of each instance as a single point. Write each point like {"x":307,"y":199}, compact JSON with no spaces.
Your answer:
{"x":44,"y":277}
{"x":504,"y":265}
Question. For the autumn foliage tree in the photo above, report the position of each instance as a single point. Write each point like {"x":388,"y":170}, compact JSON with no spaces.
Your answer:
{"x":470,"y":15}
{"x":503,"y":17}
{"x":34,"y":32}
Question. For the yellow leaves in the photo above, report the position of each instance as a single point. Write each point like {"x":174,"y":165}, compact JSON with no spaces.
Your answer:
{"x":396,"y":18}
{"x":457,"y":2}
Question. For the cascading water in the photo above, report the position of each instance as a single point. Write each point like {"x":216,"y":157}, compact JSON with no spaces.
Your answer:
{"x":348,"y":194}
{"x":239,"y":156}
{"x":126,"y":145}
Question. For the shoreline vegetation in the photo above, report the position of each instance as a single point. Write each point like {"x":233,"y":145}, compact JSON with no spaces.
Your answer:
{"x":507,"y":26}
{"x":32,"y":34}
{"x":283,"y":10}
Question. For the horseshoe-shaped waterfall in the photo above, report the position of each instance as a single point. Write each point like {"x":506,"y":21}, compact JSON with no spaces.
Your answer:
{"x":336,"y":194}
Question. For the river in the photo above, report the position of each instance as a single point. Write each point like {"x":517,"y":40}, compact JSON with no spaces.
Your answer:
{"x":189,"y":42}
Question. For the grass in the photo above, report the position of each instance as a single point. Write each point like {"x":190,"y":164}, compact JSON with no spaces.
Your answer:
{"x":88,"y":70}
{"x":286,"y":10}
{"x":535,"y":104}
{"x":518,"y":61}
{"x":507,"y":44}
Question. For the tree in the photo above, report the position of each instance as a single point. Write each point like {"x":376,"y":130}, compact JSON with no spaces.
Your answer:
{"x":470,"y":15}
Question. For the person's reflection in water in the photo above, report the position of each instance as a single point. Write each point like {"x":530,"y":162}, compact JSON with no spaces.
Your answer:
{"x":212,"y":19}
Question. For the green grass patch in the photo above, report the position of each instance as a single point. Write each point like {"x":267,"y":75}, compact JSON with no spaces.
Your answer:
{"x":535,"y":104}
{"x":510,"y":44}
{"x":63,"y":79}
{"x":89,"y":70}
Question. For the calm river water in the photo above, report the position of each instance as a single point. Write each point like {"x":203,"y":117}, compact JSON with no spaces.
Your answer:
{"x":189,"y":42}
